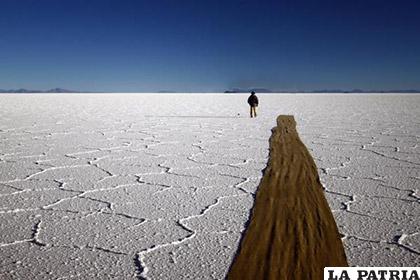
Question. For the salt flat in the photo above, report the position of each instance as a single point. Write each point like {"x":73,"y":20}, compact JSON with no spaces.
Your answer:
{"x":148,"y":186}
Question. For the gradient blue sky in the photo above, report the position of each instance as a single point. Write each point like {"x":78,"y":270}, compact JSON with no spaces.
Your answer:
{"x":198,"y":45}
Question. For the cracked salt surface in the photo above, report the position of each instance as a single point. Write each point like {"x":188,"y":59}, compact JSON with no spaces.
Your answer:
{"x":160,"y":186}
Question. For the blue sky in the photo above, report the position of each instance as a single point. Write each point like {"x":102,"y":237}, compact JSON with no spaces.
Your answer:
{"x":135,"y":45}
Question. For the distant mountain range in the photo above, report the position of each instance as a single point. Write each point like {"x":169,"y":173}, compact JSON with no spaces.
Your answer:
{"x":23,"y":90}
{"x":166,"y":91}
{"x":233,"y":90}
{"x":242,"y":90}
{"x":364,"y":91}
{"x":264,"y":90}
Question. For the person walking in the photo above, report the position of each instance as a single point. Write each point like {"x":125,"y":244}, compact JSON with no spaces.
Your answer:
{"x":253,"y":103}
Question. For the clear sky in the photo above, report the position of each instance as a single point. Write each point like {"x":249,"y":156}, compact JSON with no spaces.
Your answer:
{"x":199,"y":45}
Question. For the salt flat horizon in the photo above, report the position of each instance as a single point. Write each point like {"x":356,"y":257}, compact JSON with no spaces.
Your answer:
{"x":159,"y":186}
{"x":217,"y":93}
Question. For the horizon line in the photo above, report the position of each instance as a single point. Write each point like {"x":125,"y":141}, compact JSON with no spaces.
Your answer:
{"x":259,"y":90}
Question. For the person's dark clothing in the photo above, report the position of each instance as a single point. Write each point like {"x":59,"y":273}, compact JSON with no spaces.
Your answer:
{"x":253,"y":103}
{"x":253,"y":100}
